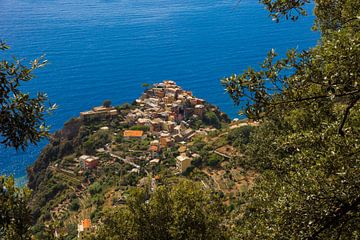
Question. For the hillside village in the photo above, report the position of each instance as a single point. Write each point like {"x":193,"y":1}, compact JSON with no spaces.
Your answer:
{"x":164,"y":110}
{"x":165,"y":134}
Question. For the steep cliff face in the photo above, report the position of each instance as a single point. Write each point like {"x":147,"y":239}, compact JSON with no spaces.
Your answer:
{"x":61,"y":144}
{"x":71,"y":129}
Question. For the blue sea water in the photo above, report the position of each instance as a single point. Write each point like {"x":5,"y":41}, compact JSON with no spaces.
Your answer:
{"x":105,"y":49}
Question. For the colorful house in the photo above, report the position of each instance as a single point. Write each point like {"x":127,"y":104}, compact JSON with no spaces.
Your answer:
{"x":128,"y":134}
{"x":183,"y":162}
{"x":88,"y":162}
{"x":84,"y":226}
{"x":91,"y":162}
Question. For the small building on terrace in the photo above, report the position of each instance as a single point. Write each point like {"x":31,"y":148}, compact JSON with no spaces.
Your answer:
{"x":129,"y":134}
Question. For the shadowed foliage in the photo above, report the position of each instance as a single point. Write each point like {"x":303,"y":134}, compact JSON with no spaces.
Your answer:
{"x":307,"y":146}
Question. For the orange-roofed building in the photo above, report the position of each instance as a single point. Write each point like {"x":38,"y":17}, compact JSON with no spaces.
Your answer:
{"x":84,"y":226}
{"x":86,"y":223}
{"x":134,"y":134}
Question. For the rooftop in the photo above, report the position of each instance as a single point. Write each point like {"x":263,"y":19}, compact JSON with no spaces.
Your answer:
{"x":133,"y":133}
{"x":102,"y":108}
{"x":155,"y":161}
{"x":86,"y":223}
{"x":182,"y":158}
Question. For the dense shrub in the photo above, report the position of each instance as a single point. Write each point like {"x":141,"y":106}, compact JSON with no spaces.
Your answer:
{"x":95,"y":188}
{"x":74,"y":205}
{"x":140,"y":127}
{"x":183,"y":211}
{"x":239,"y":136}
{"x":210,"y":118}
{"x":97,"y":140}
{"x":119,"y":138}
{"x":197,"y":162}
{"x":107,"y":103}
{"x":197,"y":146}
{"x":213,"y":160}
{"x":98,"y":200}
{"x":125,"y":106}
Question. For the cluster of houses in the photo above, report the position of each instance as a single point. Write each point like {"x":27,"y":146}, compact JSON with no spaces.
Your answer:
{"x":168,"y":100}
{"x":164,"y":109}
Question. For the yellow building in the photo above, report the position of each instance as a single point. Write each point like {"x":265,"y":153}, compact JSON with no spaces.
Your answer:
{"x":183,"y":162}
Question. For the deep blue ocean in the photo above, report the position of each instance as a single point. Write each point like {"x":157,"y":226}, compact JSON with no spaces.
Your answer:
{"x":105,"y":49}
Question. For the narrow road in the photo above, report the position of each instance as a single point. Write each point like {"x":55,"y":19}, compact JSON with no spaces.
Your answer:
{"x":128,"y":162}
{"x":124,"y":160}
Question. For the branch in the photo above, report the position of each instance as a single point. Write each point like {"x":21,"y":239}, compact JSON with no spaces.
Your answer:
{"x":346,"y":114}
{"x":331,"y":221}
{"x":316,"y":97}
{"x":351,"y":20}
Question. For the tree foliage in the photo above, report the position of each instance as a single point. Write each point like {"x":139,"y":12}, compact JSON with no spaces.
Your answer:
{"x":307,"y":147}
{"x":106,"y":103}
{"x":21,"y":116}
{"x":210,"y":118}
{"x":15,"y":219}
{"x":21,"y":123}
{"x":183,"y":211}
{"x":240,"y":136}
{"x":330,"y":15}
{"x":96,"y":140}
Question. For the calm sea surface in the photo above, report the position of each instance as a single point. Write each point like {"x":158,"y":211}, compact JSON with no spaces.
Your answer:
{"x":105,"y":49}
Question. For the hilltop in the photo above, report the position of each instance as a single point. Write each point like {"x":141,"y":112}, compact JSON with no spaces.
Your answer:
{"x":164,"y":135}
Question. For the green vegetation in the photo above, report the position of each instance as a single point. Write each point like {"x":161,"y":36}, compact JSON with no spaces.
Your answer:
{"x":74,"y":206}
{"x":240,"y":136}
{"x":107,"y":103}
{"x":295,"y":176}
{"x":181,"y":211}
{"x":125,"y":106}
{"x":21,"y":123}
{"x":306,"y":147}
{"x":21,"y":116}
{"x":15,"y":216}
{"x":96,"y":140}
{"x":213,"y":160}
{"x":211,"y":119}
{"x":140,"y":127}
{"x":95,"y":188}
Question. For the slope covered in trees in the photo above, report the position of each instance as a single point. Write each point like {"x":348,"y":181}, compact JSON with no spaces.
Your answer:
{"x":307,"y":147}
{"x":181,"y":211}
